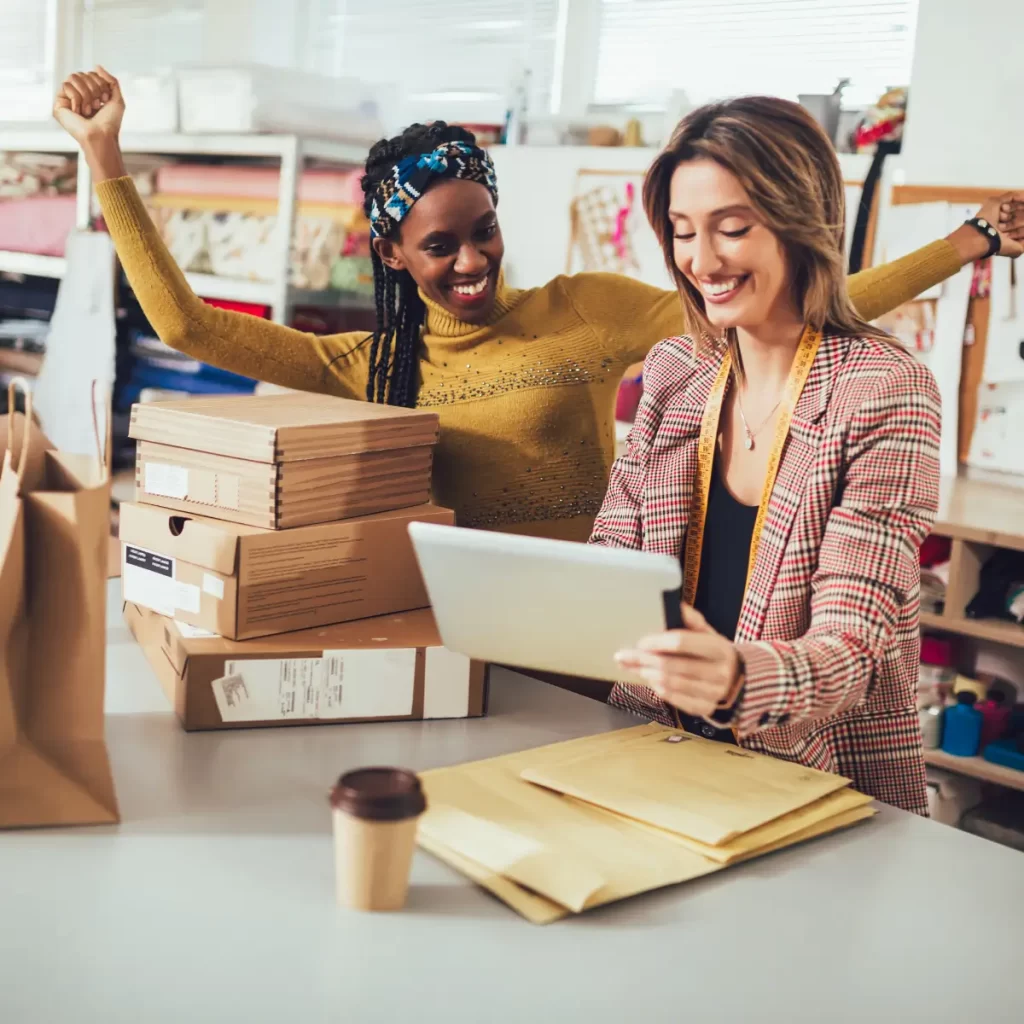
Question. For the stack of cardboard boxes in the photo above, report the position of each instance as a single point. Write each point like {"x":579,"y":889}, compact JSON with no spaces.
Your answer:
{"x":267,"y":569}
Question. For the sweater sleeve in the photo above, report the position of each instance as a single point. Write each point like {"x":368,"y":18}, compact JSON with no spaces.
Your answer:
{"x":880,"y":289}
{"x":629,"y":317}
{"x":333,"y":364}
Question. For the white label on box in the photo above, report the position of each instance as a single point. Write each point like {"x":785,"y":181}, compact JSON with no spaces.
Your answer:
{"x":341,"y":684}
{"x":186,"y":597}
{"x":331,"y":688}
{"x":232,"y":696}
{"x":213,"y":586}
{"x":166,"y":480}
{"x":372,"y":684}
{"x":148,"y":579}
{"x":193,"y":632}
{"x":273,"y":690}
{"x":445,"y":684}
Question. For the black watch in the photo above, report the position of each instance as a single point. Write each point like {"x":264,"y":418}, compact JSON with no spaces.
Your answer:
{"x":990,"y":233}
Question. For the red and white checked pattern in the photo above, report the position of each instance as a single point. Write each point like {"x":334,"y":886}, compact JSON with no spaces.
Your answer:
{"x":829,"y":629}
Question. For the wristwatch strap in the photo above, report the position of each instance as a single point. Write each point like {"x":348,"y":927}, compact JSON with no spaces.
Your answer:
{"x":990,"y":233}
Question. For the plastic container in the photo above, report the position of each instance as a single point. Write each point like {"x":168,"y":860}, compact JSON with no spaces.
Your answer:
{"x":931,"y":726}
{"x":975,"y":686}
{"x":937,"y":673}
{"x":995,"y":713}
{"x":1009,"y":753}
{"x":961,"y":727}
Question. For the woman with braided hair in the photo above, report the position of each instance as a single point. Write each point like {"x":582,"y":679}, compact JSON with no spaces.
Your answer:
{"x":524,"y":381}
{"x":398,"y":171}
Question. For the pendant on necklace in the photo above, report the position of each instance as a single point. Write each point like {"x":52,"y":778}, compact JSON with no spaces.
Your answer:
{"x":748,"y":443}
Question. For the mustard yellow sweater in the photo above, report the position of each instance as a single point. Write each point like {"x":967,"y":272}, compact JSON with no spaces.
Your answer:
{"x":526,"y":402}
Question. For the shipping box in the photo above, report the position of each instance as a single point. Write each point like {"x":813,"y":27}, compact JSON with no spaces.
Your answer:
{"x":280,"y":461}
{"x":242,"y":582}
{"x":390,"y":668}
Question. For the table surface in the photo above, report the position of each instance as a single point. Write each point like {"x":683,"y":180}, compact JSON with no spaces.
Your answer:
{"x":213,"y":900}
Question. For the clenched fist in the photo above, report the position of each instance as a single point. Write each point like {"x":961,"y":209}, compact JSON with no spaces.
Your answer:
{"x":89,"y":104}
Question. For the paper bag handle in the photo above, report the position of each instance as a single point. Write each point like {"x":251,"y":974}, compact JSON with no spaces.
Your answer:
{"x":16,"y":384}
{"x":103,"y":451}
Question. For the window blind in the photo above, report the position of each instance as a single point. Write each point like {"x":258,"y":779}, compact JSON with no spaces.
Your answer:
{"x":711,"y":50}
{"x":137,"y":36}
{"x":446,"y":58}
{"x":439,"y":58}
{"x":27,"y":58}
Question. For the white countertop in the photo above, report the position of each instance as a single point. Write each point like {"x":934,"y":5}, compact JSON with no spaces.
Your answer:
{"x":213,"y":900}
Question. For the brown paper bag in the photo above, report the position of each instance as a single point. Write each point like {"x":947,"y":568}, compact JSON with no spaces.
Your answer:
{"x":54,"y":525}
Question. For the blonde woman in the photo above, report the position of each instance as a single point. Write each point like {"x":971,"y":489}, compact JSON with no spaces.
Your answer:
{"x":524,"y":381}
{"x":788,"y":453}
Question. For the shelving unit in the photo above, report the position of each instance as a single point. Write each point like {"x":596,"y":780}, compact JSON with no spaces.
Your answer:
{"x":290,"y":150}
{"x":29,"y":263}
{"x":13,"y":361}
{"x":976,"y":768}
{"x":992,"y":630}
{"x":979,"y":517}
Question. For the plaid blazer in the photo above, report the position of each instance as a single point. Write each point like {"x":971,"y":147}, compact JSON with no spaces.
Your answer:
{"x":829,"y":626}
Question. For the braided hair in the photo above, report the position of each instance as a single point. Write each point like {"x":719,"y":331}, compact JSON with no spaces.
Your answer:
{"x":394,"y":351}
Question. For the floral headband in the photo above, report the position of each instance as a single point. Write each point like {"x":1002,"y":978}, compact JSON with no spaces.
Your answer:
{"x":410,"y":177}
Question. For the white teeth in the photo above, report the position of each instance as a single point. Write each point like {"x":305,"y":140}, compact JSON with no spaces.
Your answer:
{"x":471,"y":289}
{"x":719,"y":287}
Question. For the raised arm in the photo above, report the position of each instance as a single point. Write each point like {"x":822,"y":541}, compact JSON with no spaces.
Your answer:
{"x":628,"y":316}
{"x":632,"y":317}
{"x":880,"y":289}
{"x":90,"y":108}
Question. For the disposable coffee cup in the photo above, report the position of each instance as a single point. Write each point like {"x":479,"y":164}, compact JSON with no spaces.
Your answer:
{"x":375,"y":812}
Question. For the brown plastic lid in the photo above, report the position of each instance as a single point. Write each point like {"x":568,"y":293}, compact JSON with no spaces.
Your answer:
{"x":379,"y":794}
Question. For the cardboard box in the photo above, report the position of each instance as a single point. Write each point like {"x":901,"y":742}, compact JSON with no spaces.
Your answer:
{"x":390,"y":668}
{"x":283,"y":460}
{"x":281,"y":496}
{"x":241,"y":582}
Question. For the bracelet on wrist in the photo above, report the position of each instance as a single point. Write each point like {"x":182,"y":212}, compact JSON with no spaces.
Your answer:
{"x":989,"y":232}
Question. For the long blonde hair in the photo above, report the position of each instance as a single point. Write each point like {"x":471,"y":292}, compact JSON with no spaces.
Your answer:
{"x":790,"y":171}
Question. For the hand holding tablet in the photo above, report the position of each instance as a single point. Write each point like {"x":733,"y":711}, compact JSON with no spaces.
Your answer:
{"x":545,"y":604}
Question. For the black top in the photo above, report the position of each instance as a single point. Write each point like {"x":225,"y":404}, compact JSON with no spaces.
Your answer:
{"x":728,"y":531}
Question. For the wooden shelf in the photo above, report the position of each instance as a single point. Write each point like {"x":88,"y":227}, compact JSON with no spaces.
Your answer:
{"x":17,"y":138}
{"x":209,"y":286}
{"x":16,"y":361}
{"x":330,"y":298}
{"x":232,"y":289}
{"x":290,"y":150}
{"x":245,"y":145}
{"x":238,"y":289}
{"x":29,"y":263}
{"x":976,"y":768}
{"x":994,"y":630}
{"x":981,"y":512}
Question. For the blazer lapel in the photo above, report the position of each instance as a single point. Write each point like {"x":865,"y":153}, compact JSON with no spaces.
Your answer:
{"x":672,"y":467}
{"x":798,"y":455}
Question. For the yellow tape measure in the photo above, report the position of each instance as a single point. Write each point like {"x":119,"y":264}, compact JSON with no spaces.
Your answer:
{"x":802,"y":362}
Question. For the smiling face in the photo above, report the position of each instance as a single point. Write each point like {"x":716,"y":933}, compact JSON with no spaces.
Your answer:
{"x":723,"y":249}
{"x":451,"y":244}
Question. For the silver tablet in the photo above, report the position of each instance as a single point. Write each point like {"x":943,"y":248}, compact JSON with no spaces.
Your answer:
{"x":544,"y":604}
